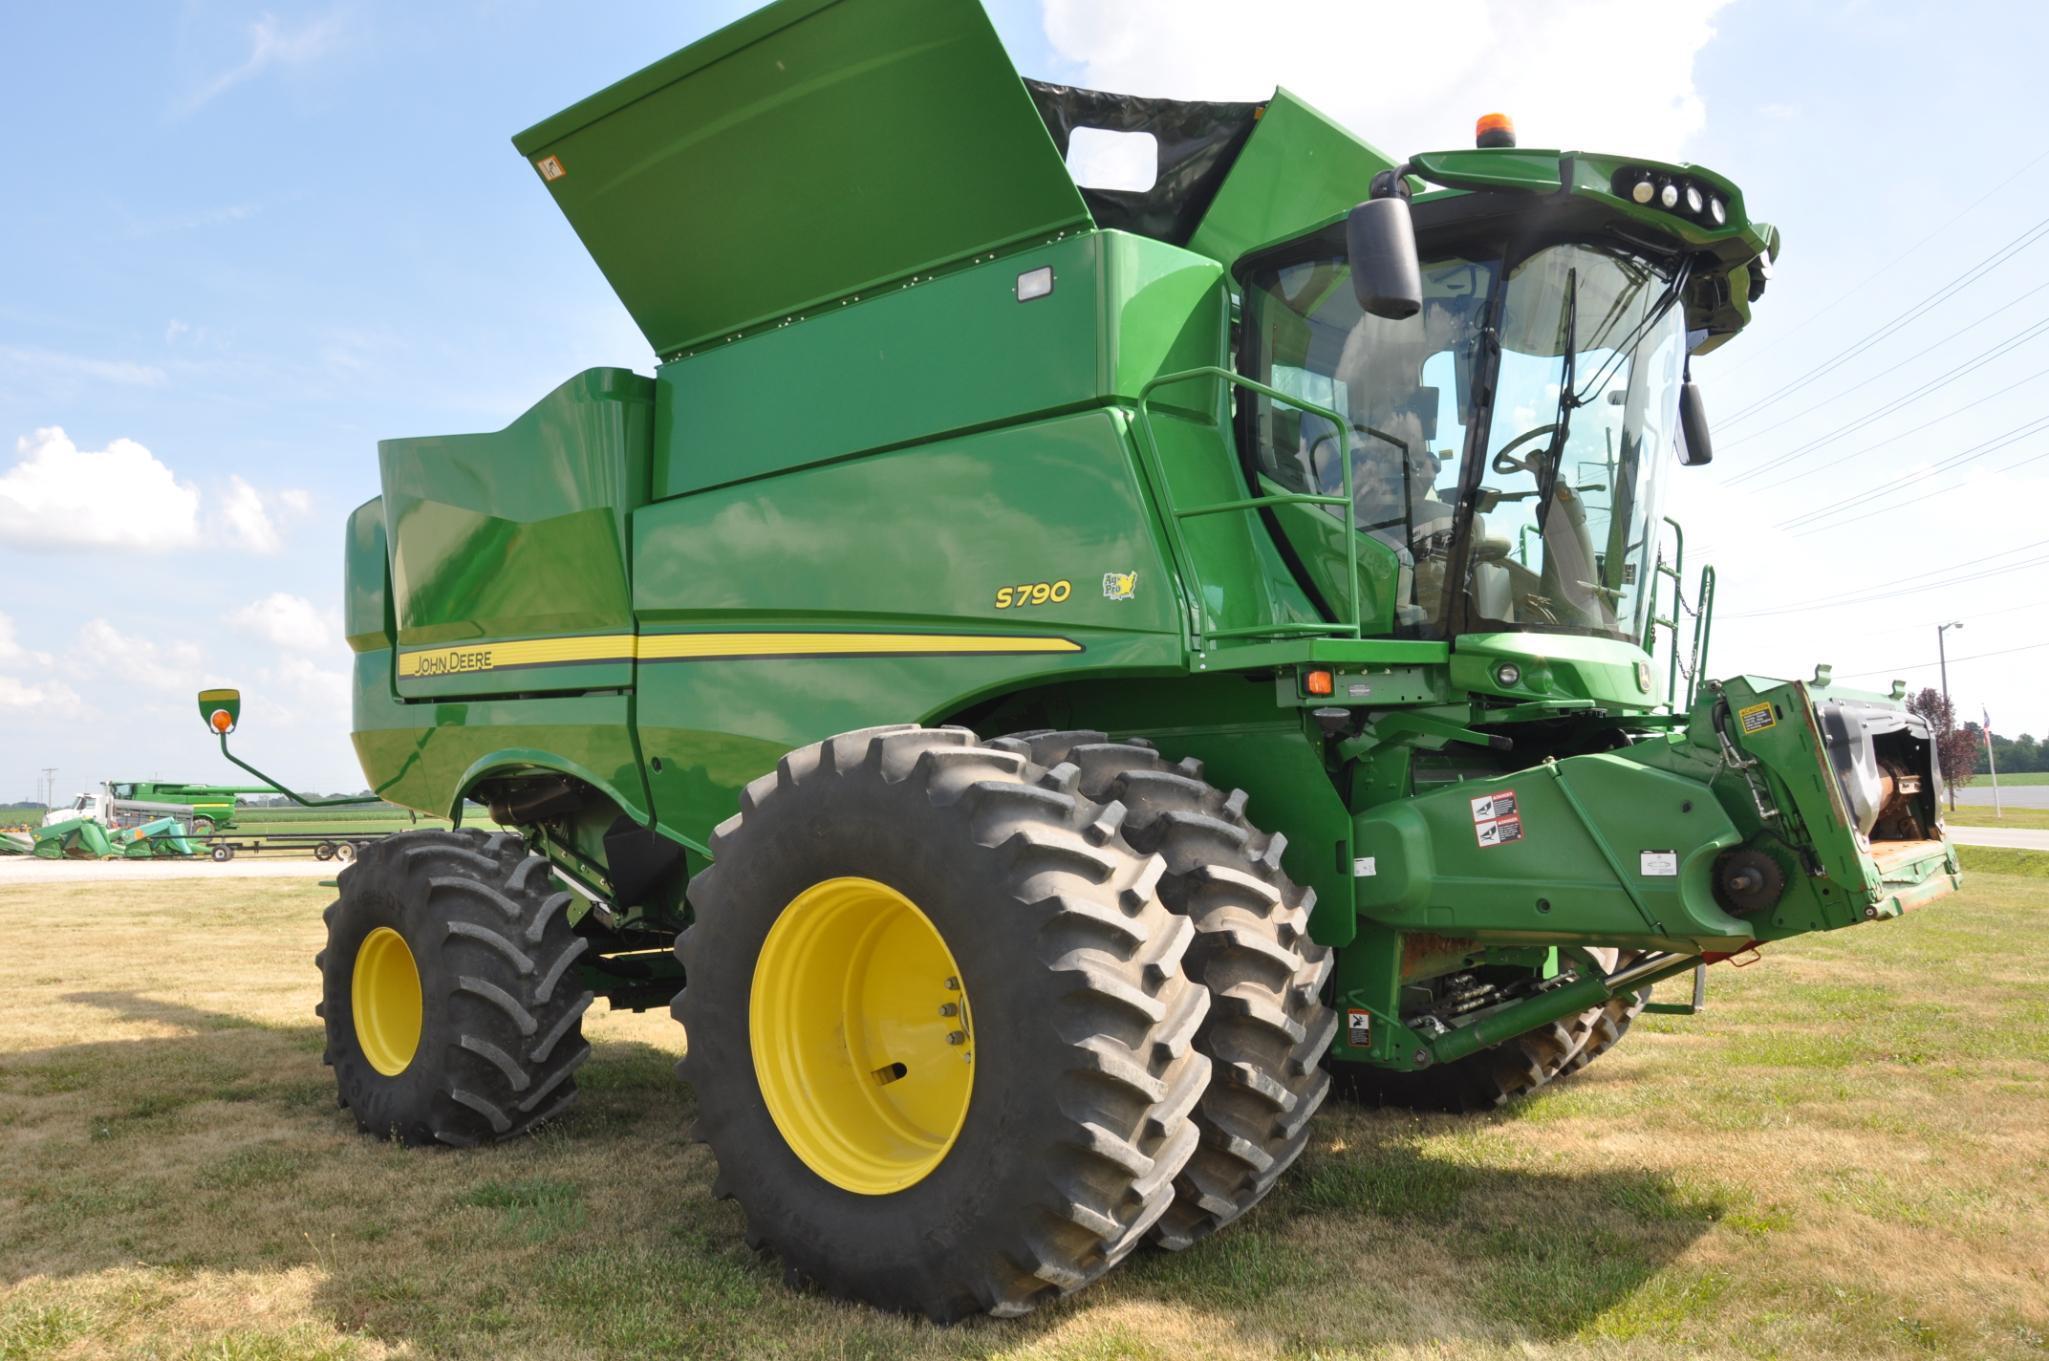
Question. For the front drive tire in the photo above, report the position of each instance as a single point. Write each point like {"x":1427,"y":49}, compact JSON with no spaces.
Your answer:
{"x":913,"y":1190}
{"x":1268,"y":1028}
{"x":453,"y":1012}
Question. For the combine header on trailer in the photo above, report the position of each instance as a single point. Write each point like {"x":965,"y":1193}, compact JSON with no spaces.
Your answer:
{"x":1072,"y":671}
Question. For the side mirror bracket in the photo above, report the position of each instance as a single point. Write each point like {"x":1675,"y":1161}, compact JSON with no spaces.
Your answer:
{"x":222,"y":711}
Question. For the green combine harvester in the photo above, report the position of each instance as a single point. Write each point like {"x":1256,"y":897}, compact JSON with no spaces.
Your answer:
{"x":1052,"y":681}
{"x":213,"y":805}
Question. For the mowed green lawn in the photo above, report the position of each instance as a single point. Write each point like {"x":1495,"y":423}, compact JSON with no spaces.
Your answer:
{"x":1847,"y":1155}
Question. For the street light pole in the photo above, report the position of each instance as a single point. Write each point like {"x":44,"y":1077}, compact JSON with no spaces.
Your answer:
{"x":1942,"y":655}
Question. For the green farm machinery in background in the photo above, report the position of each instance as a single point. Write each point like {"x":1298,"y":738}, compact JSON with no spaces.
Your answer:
{"x":214,"y":806}
{"x":1054,"y":680}
{"x":85,"y":838}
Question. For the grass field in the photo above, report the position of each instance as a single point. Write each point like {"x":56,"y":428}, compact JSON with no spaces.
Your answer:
{"x":1845,"y":1156}
{"x":1976,"y":816}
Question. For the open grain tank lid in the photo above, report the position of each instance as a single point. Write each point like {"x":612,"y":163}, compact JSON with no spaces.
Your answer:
{"x":810,"y":151}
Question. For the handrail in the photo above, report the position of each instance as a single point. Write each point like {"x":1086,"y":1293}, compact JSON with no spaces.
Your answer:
{"x":1703,"y":618}
{"x":1195,"y":625}
{"x":1703,"y":629}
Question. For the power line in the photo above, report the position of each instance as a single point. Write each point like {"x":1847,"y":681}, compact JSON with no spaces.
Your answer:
{"x":1949,"y":415}
{"x":1858,"y":287}
{"x":1884,"y":586}
{"x":1974,"y":657}
{"x":1754,"y":434}
{"x":1816,"y":523}
{"x":1939,"y":296}
{"x":1956,"y":460}
{"x":1974,"y":617}
{"x":1935,"y":384}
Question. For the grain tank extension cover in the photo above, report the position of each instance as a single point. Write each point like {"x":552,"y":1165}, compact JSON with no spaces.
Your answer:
{"x":812,"y":150}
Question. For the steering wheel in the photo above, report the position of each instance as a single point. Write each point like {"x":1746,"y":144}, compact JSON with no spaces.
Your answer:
{"x":1505,"y":463}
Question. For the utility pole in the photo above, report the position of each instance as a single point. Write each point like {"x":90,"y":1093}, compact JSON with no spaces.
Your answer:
{"x":1949,"y":714}
{"x":1992,"y":764}
{"x":49,"y":787}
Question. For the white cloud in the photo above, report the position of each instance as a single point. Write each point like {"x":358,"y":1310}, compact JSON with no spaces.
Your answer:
{"x":271,"y":44}
{"x":11,"y":650}
{"x":314,"y":692}
{"x":1414,"y":79}
{"x":246,"y":520}
{"x":250,"y":518}
{"x":42,"y":697}
{"x":291,"y":622}
{"x":104,"y":651}
{"x":185,"y":222}
{"x":45,"y":696}
{"x":55,"y":364}
{"x":61,"y":496}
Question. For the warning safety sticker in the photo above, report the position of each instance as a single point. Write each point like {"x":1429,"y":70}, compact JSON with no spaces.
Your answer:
{"x":1496,"y":821}
{"x":1757,"y":718}
{"x":1358,"y":1028}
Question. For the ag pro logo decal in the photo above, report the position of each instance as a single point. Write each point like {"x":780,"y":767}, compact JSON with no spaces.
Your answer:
{"x":1120,"y":585}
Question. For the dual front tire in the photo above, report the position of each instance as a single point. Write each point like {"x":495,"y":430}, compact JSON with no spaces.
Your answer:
{"x":968,"y":1022}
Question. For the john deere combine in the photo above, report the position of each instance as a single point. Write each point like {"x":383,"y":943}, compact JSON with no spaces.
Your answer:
{"x":1048,"y":679}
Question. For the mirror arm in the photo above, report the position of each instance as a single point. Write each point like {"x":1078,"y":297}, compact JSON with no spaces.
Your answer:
{"x":295,"y":797}
{"x":1391,"y":183}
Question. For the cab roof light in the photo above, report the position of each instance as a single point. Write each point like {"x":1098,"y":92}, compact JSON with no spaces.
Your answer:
{"x":1494,"y":130}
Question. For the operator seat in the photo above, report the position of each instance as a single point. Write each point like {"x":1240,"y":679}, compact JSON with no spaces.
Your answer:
{"x":1572,"y":575}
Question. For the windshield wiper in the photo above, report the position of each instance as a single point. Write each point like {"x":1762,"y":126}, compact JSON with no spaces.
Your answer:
{"x":1568,"y":400}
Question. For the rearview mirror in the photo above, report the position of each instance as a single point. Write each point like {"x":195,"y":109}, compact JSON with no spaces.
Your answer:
{"x":1380,"y":242}
{"x":221,"y":709}
{"x":1696,"y":447}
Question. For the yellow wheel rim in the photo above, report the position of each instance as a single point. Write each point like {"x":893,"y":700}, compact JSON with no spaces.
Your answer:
{"x":384,"y":995}
{"x":862,"y":1041}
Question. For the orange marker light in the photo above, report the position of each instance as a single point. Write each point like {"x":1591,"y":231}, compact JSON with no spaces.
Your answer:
{"x":1494,"y":130}
{"x":220,"y":720}
{"x":1318,"y":683}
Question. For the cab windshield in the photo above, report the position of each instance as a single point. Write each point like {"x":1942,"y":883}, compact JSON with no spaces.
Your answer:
{"x":1535,"y":510}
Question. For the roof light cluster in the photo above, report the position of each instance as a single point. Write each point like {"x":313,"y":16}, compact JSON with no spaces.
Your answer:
{"x":1675,"y":194}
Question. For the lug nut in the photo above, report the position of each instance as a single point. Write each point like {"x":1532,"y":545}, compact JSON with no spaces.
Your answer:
{"x":949,"y":1008}
{"x":957,"y":1037}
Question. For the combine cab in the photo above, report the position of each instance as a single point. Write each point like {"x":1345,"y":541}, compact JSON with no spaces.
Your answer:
{"x":1052,"y":681}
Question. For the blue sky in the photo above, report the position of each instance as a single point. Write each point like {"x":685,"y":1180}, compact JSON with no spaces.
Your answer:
{"x":244,"y":242}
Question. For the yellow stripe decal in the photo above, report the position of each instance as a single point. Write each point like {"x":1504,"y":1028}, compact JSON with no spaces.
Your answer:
{"x":428,"y":663}
{"x":706,"y":646}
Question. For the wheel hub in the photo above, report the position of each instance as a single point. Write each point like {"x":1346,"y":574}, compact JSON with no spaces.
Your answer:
{"x":384,"y":996}
{"x":863,"y":1044}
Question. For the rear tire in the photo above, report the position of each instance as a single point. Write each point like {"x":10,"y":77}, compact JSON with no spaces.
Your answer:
{"x":1610,"y":1022}
{"x":1268,"y":1028}
{"x":483,"y":1041}
{"x":1079,"y":1019}
{"x":1479,"y":1082}
{"x":345,"y":853}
